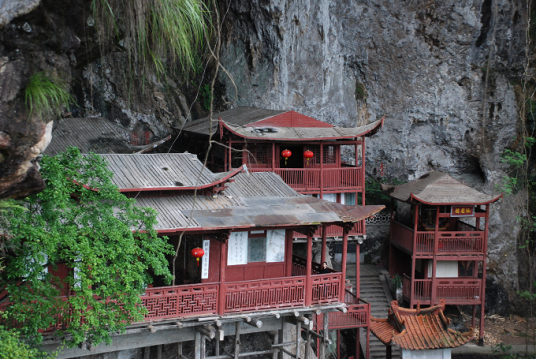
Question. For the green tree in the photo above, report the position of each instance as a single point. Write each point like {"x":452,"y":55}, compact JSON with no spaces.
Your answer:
{"x":108,"y":244}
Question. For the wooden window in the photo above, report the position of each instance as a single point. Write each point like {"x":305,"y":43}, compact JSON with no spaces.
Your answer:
{"x":257,"y":249}
{"x":330,"y":154}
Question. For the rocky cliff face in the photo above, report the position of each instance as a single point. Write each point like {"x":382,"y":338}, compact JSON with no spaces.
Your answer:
{"x":444,"y":73}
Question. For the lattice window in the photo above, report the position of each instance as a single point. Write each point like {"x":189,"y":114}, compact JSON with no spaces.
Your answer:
{"x":261,"y":155}
{"x":330,"y":154}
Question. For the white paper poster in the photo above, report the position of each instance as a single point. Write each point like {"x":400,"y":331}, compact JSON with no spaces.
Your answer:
{"x":205,"y":260}
{"x":275,"y":246}
{"x":237,"y":252}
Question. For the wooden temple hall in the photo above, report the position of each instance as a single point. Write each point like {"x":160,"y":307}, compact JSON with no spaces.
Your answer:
{"x":438,"y":242}
{"x":312,"y":157}
{"x":237,"y":270}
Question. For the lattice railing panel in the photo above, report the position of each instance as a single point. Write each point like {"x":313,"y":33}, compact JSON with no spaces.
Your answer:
{"x":326,"y":288}
{"x":172,"y":302}
{"x":265,"y":294}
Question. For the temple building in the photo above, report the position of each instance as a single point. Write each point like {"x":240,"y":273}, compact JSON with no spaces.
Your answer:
{"x":439,"y":241}
{"x":236,"y":269}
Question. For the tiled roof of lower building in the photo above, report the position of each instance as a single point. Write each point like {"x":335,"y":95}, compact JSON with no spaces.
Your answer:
{"x":418,"y":329}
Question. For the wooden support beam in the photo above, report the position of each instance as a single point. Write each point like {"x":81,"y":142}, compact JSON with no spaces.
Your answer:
{"x":237,"y":341}
{"x":303,"y":319}
{"x":342,"y":309}
{"x":179,"y":325}
{"x":147,"y":353}
{"x":209,"y":331}
{"x":197,"y":345}
{"x":255,"y":323}
{"x":276,"y":340}
{"x":308,"y":343}
{"x":298,"y":339}
{"x":151,"y":328}
{"x":159,"y":352}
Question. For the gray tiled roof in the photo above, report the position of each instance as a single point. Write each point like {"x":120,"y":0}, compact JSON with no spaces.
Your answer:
{"x":438,"y":188}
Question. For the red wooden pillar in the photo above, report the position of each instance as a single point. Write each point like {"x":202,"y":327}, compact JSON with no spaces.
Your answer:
{"x":223,"y":265}
{"x":230,"y":155}
{"x":357,"y":268}
{"x":273,"y":156}
{"x":343,"y":260}
{"x":483,"y":286}
{"x":338,"y":344}
{"x":363,"y":167}
{"x":324,"y":243}
{"x":321,"y":170}
{"x":309,"y":272}
{"x":415,"y":227}
{"x":245,"y":155}
{"x":433,"y":295}
{"x":288,"y":254}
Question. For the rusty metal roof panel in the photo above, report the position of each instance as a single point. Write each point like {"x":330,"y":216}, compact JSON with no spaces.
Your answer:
{"x":438,"y":188}
{"x":158,"y":170}
{"x":303,"y":133}
{"x":89,"y":135}
{"x":239,"y":116}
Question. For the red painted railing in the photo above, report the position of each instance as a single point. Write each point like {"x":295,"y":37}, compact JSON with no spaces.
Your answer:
{"x":459,"y":290}
{"x":180,"y":301}
{"x":471,"y":242}
{"x":326,"y":288}
{"x":453,"y":290}
{"x":265,"y":294}
{"x":402,"y":235}
{"x":299,"y":266}
{"x":342,"y":178}
{"x":357,"y":315}
{"x":308,"y":179}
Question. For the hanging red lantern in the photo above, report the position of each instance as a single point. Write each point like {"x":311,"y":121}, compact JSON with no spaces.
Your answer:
{"x":308,"y":154}
{"x":198,"y":253}
{"x":286,"y":154}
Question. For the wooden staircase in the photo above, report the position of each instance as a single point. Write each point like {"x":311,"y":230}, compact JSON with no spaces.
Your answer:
{"x":374,"y":289}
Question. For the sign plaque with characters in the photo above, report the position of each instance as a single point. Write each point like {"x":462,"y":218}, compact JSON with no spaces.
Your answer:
{"x":462,"y":211}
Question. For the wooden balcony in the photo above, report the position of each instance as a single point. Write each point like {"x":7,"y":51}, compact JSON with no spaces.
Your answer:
{"x":454,"y":290}
{"x":357,"y":315}
{"x":466,"y":242}
{"x":311,"y":180}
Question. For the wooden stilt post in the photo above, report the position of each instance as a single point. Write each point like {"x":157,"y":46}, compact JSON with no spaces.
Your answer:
{"x":324,"y":244}
{"x":338,"y":344}
{"x":308,"y":336}
{"x":237,"y":341}
{"x":179,"y":350}
{"x":276,"y":341}
{"x":298,"y":339}
{"x":147,"y":353}
{"x":159,"y":351}
{"x":324,"y":346}
{"x":388,"y":352}
{"x":357,"y":346}
{"x":197,"y":345}
{"x":474,"y":318}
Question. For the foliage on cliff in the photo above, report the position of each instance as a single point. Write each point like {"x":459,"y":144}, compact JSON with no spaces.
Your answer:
{"x":79,"y":254}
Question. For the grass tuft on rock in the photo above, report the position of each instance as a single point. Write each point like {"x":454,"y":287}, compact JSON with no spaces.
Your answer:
{"x":46,"y":95}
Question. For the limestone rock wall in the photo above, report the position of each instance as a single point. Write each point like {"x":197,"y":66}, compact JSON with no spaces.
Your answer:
{"x":422,"y":64}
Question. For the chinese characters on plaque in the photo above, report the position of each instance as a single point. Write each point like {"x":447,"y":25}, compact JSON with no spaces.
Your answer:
{"x":275,"y":246}
{"x":462,"y":211}
{"x":205,"y":259}
{"x":237,"y":252}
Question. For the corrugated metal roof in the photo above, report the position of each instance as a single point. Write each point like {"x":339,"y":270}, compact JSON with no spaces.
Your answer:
{"x":252,"y":200}
{"x":303,"y":133}
{"x":241,"y":120}
{"x":415,"y":329}
{"x":95,"y":134}
{"x":438,"y":188}
{"x":89,"y":135}
{"x":239,"y":116}
{"x":159,"y":170}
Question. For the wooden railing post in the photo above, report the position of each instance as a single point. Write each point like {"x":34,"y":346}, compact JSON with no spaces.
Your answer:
{"x":343,"y":260}
{"x":223,"y":264}
{"x":309,"y":272}
{"x":324,"y":243}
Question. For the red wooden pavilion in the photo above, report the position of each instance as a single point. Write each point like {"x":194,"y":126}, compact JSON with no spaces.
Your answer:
{"x":438,"y":244}
{"x":260,"y":139}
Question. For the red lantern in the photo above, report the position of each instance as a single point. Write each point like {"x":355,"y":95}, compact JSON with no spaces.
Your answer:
{"x":198,"y":253}
{"x":308,"y":154}
{"x":286,"y":154}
